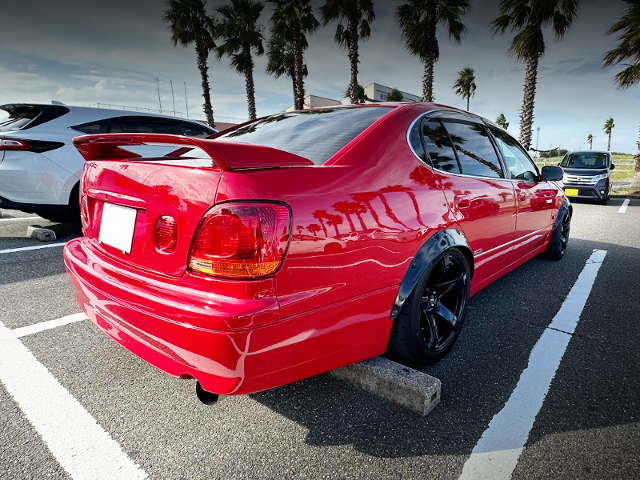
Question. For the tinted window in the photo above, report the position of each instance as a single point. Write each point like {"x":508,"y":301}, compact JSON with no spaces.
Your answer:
{"x":314,"y":134}
{"x":191,"y":131}
{"x":585,"y":160}
{"x":18,"y":119}
{"x":474,"y":149}
{"x":94,"y":127}
{"x":439,"y":147}
{"x":518,"y":162}
{"x":416,"y":142}
{"x":143,"y":127}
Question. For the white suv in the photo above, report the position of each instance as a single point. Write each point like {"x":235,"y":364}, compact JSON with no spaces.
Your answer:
{"x":39,"y":166}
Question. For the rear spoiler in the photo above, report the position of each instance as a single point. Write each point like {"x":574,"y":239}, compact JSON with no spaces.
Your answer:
{"x":226,"y":155}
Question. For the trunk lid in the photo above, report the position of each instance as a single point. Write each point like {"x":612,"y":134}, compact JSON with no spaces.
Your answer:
{"x":181,"y":184}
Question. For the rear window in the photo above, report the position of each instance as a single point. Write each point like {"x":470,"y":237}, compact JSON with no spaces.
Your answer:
{"x":17,"y":120}
{"x":314,"y":134}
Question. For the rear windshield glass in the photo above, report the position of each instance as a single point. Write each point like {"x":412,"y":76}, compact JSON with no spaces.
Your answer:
{"x":313,"y":134}
{"x":585,"y":160}
{"x":17,"y":120}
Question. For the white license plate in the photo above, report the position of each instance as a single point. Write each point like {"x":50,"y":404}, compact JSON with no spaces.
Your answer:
{"x":117,"y":225}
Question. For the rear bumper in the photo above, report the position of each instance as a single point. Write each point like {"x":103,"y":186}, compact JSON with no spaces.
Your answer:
{"x":589,"y":192}
{"x":231,"y":343}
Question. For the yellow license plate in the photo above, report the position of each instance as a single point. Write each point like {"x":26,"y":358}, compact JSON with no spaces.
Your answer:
{"x":571,"y":192}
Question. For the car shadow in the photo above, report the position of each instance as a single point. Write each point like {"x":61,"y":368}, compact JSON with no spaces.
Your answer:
{"x":504,"y":322}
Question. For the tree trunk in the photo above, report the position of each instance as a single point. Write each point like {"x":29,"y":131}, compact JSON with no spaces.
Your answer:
{"x":201,"y":55}
{"x":248,"y":80}
{"x":468,"y":103}
{"x":353,"y":58}
{"x":298,"y":62}
{"x":429,"y":60}
{"x":635,"y":185}
{"x":609,"y":143}
{"x":526,"y":114}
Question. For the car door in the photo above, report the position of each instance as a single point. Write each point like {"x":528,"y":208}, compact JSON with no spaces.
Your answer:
{"x":535,"y":199}
{"x":480,"y":197}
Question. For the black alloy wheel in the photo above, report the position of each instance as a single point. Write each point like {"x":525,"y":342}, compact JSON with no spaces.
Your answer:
{"x":429,"y":327}
{"x":559,"y":238}
{"x":443,"y":302}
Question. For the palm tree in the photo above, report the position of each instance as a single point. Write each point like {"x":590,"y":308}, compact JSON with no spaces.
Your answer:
{"x":608,"y":126}
{"x":238,"y":28}
{"x":590,"y":141}
{"x":465,"y":85}
{"x":189,"y":23}
{"x":281,"y":62}
{"x":291,"y":21}
{"x":628,"y":50}
{"x":358,"y":15}
{"x":418,"y":20}
{"x":361,"y":96}
{"x":502,"y":121}
{"x":528,"y":18}
{"x":394,"y":95}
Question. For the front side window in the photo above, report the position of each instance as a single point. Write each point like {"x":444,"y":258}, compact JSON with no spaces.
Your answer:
{"x":439,"y":147}
{"x":313,"y":134}
{"x":474,"y":149}
{"x":518,"y":162}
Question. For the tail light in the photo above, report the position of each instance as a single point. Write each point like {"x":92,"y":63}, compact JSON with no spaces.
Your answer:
{"x":165,"y":235}
{"x":37,"y":146}
{"x":241,"y":240}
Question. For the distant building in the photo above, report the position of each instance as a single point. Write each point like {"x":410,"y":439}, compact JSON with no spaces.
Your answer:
{"x":374,"y":93}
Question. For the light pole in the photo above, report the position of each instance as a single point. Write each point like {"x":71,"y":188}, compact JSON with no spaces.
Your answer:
{"x":537,"y":139}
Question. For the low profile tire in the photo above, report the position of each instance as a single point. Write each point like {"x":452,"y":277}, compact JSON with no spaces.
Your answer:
{"x":559,"y":238}
{"x":428,"y":327}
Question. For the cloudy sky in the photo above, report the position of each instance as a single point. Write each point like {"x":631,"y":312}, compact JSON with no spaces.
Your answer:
{"x":85,"y":53}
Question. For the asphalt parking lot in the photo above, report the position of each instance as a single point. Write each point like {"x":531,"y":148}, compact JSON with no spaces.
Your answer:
{"x":588,"y":425}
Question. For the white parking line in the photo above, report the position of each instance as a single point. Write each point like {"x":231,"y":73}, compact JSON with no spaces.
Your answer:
{"x":81,"y":446}
{"x":496,"y":454}
{"x":624,"y":206}
{"x":20,"y":219}
{"x":42,"y":326}
{"x":35,"y":247}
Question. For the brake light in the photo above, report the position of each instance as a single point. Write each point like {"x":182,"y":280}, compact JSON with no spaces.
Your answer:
{"x":165,"y":235}
{"x":13,"y":145}
{"x":241,"y":240}
{"x":37,"y":146}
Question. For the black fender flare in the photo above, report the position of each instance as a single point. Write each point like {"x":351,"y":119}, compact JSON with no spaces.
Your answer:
{"x":437,"y":243}
{"x":566,"y":205}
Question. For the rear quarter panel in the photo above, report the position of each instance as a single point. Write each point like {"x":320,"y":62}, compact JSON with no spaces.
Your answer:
{"x":369,"y":212}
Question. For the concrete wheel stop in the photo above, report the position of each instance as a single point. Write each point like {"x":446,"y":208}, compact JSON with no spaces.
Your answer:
{"x":395,"y":383}
{"x":40,"y":233}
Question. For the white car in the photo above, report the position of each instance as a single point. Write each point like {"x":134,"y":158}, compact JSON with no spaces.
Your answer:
{"x":39,"y":166}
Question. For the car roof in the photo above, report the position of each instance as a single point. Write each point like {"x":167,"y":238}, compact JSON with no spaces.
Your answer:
{"x":76,"y":115}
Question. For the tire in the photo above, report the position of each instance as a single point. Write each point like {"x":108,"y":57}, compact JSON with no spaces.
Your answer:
{"x":559,"y":238}
{"x":430,"y":323}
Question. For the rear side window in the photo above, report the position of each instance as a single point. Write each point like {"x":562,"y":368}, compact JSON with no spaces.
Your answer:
{"x":94,"y":127}
{"x":314,"y":134}
{"x":141,"y":127}
{"x":190,"y":131}
{"x":474,"y":149}
{"x":439,"y":147}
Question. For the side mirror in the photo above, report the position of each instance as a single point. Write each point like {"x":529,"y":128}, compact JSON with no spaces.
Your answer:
{"x":612,"y":167}
{"x":551,"y":174}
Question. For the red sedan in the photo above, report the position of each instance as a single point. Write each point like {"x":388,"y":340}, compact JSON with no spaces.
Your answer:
{"x":305,"y":241}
